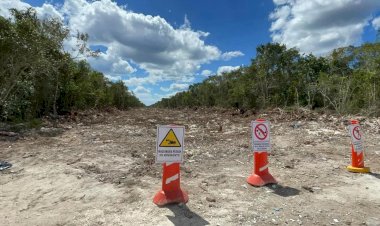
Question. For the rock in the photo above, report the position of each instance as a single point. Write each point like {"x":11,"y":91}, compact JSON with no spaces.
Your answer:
{"x":50,"y":132}
{"x":5,"y":165}
{"x":373,"y":221}
{"x":188,"y":214}
{"x":8,"y":134}
{"x":289,"y":166}
{"x":187,"y":170}
{"x":296,"y":124}
{"x":220,"y":129}
{"x":210,"y":199}
{"x":336,"y":220}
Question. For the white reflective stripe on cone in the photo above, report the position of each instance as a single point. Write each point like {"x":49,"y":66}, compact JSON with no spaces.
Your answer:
{"x":172,"y":178}
{"x":264,"y":167}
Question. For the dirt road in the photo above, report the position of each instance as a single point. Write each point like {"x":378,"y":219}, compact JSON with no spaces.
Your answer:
{"x":100,"y":170}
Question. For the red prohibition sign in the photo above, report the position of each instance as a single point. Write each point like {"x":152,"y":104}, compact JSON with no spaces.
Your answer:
{"x":356,"y":133}
{"x":261,"y":131}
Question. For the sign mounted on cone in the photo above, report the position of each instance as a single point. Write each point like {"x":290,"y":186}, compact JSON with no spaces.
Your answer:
{"x":356,"y":137}
{"x":261,"y":146}
{"x":357,"y":149}
{"x":260,"y":136}
{"x":170,"y":146}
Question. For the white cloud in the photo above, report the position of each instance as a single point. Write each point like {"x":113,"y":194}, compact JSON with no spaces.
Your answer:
{"x":138,"y":81}
{"x":43,"y":12}
{"x":376,"y":23}
{"x":149,"y":41}
{"x":141,"y":90}
{"x":206,"y":73}
{"x":186,"y":24}
{"x":318,"y":26}
{"x":47,"y":11}
{"x":226,"y":69}
{"x":5,"y":5}
{"x":144,"y":41}
{"x":151,"y":98}
{"x":175,"y":87}
{"x":111,"y":63}
{"x":232,"y":54}
{"x":147,"y":98}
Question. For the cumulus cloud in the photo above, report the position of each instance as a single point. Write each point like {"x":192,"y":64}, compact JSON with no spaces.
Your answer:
{"x":141,"y":89}
{"x":206,"y":73}
{"x":43,"y":12}
{"x":147,"y":98}
{"x":47,"y":11}
{"x":151,"y":98}
{"x":226,"y":69}
{"x":138,"y":81}
{"x":111,"y":64}
{"x":232,"y":54}
{"x":175,"y":87}
{"x":376,"y":23}
{"x":149,"y":41}
{"x":5,"y":5}
{"x":318,"y":26}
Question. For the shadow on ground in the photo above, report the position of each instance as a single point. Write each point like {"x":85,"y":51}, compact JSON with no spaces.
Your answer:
{"x":283,"y":191}
{"x":375,"y":175}
{"x":184,"y":216}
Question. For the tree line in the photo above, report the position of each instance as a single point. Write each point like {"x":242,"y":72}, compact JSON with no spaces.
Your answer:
{"x":345,"y":81}
{"x":38,"y":78}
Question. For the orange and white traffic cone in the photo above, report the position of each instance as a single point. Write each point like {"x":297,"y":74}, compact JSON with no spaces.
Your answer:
{"x":260,"y":175}
{"x":171,"y":191}
{"x":357,"y":157}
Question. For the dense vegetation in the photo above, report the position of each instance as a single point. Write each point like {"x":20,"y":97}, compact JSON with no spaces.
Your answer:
{"x":347,"y":81}
{"x":37,"y":77}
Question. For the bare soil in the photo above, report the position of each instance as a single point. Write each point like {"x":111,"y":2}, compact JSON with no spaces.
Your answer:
{"x":98,"y":169}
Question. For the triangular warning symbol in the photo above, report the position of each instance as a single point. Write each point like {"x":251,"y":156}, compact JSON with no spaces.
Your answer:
{"x":170,"y":140}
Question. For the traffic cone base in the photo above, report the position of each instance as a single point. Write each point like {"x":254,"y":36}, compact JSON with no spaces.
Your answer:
{"x":260,"y":175}
{"x":171,"y":191}
{"x":358,"y":170}
{"x":261,"y":180}
{"x":162,"y":198}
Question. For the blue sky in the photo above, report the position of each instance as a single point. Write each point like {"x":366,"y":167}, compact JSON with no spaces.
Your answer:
{"x":160,"y":47}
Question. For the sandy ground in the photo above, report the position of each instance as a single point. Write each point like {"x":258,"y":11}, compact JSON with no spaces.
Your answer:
{"x":99,"y":170}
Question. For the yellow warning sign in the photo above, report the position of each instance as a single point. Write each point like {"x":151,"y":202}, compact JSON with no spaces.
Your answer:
{"x":170,"y":140}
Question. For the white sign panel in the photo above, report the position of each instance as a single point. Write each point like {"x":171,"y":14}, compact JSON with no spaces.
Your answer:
{"x":260,"y":136}
{"x":170,"y":144}
{"x":356,"y":137}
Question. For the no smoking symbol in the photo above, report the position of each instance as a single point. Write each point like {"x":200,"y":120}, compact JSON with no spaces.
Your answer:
{"x":356,"y":133}
{"x":261,"y":131}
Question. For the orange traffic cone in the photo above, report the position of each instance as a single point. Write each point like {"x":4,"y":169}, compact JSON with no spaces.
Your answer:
{"x":260,"y":175}
{"x":171,"y":191}
{"x":357,"y":157}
